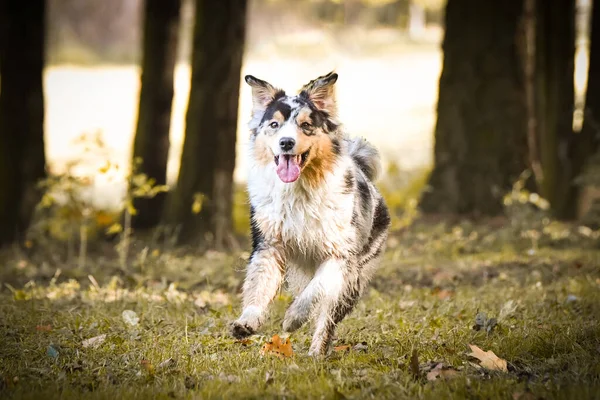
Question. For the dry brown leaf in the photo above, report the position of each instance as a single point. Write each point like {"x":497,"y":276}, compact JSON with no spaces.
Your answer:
{"x":244,"y":342}
{"x":488,"y":359}
{"x":278,"y":347}
{"x":147,"y":365}
{"x":526,"y":395}
{"x":344,"y":347}
{"x":438,"y":372}
{"x":445,"y":294}
{"x":43,"y":328}
{"x":414,"y":364}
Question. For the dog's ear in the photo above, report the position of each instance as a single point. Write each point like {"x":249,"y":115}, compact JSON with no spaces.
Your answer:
{"x":262,"y":93}
{"x":321,"y":92}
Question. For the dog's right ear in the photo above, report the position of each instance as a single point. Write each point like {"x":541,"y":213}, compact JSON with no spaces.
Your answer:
{"x":262,"y":93}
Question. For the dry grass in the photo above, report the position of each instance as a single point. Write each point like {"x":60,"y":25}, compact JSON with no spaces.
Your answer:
{"x":434,"y":280}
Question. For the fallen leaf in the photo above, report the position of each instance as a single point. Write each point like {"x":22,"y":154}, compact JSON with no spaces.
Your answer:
{"x":130,"y":317}
{"x":414,"y":364}
{"x":52,"y":352}
{"x":361,"y":346}
{"x":168,"y":363}
{"x":483,"y":323}
{"x":244,"y":342}
{"x":443,"y":294}
{"x":147,"y":366}
{"x":94,"y":342}
{"x":571,"y":298}
{"x":344,"y":347}
{"x":438,"y":372}
{"x":269,"y":377}
{"x":278,"y":347}
{"x":228,"y":378}
{"x":488,"y":359}
{"x":507,"y":310}
{"x":43,"y":328}
{"x":526,"y":395}
{"x":406,"y":304}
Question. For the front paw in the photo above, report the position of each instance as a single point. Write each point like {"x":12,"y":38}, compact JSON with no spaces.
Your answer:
{"x":293,"y":320}
{"x":240,"y":330}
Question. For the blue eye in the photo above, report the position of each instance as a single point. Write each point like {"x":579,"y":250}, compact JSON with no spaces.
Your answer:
{"x":274,"y":125}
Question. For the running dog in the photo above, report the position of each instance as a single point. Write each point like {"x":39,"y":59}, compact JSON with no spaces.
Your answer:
{"x":318,"y":222}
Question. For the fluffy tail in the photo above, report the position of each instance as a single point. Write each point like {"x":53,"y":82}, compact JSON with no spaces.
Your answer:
{"x":366,"y":157}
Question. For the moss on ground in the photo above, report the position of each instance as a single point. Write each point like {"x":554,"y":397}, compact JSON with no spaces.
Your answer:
{"x":433,"y":282}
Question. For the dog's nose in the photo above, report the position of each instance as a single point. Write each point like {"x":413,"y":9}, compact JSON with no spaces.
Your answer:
{"x":286,"y":143}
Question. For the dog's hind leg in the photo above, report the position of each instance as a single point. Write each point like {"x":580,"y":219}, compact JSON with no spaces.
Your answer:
{"x":332,"y":311}
{"x":326,"y":284}
{"x":263,"y":279}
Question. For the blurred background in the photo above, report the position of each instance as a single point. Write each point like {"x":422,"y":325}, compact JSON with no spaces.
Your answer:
{"x":129,"y":116}
{"x":386,"y":52}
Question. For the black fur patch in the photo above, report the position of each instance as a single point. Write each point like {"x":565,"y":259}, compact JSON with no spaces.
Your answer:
{"x":346,"y":304}
{"x":381,"y":219}
{"x":371,"y":256}
{"x":362,"y":164}
{"x":257,"y":236}
{"x":277,"y":105}
{"x":381,"y":222}
{"x":365,"y":194}
{"x":320,"y":118}
{"x":348,"y":182}
{"x":337,"y":147}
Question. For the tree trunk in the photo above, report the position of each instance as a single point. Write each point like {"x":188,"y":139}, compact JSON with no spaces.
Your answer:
{"x":208,"y":157}
{"x":588,"y":140}
{"x":555,"y":96}
{"x":480,"y":137}
{"x":151,"y":145}
{"x":22,"y":159}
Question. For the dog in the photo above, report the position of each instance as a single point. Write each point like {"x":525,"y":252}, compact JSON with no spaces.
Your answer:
{"x":318,"y":223}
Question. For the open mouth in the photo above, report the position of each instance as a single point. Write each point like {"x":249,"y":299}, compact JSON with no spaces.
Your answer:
{"x":289,"y":166}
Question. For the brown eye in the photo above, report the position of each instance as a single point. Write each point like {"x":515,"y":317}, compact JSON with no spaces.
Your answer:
{"x":305,"y":125}
{"x":274,"y":125}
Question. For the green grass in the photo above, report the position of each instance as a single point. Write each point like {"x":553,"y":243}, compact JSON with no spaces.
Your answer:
{"x":433,"y":282}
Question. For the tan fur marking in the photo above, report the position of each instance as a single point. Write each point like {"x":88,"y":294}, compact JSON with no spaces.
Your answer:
{"x":262,"y":151}
{"x":320,"y":160}
{"x":278,"y":116}
{"x":303,"y":116}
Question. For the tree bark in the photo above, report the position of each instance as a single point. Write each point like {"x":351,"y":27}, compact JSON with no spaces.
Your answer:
{"x":208,"y":157}
{"x":588,"y":140}
{"x":151,"y":144}
{"x":555,"y":96}
{"x":481,"y":131}
{"x":22,"y":159}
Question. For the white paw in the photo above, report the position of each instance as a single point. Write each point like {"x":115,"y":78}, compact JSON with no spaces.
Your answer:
{"x":247,"y":324}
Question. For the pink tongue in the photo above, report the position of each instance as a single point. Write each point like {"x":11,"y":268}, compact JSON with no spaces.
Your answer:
{"x":288,"y":168}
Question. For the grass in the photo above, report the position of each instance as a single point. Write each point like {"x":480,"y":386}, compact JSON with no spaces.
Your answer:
{"x":434,"y":280}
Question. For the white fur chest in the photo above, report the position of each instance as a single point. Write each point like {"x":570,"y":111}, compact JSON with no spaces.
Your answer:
{"x":310,"y":223}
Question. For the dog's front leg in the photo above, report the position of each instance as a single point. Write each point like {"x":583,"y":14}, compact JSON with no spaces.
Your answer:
{"x":263,"y":279}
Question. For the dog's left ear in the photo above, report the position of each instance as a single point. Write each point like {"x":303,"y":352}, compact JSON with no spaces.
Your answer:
{"x":321,"y":92}
{"x":263,"y":92}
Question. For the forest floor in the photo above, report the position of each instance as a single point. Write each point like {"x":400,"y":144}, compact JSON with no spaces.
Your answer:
{"x":160,"y":330}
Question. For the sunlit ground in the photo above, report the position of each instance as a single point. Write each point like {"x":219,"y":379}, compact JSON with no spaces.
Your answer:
{"x":389,"y":98}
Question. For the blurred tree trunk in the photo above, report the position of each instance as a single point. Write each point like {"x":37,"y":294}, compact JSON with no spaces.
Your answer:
{"x":555,"y":96}
{"x":480,"y":136}
{"x":208,"y":157}
{"x":22,"y":159}
{"x":151,"y":145}
{"x":588,"y":140}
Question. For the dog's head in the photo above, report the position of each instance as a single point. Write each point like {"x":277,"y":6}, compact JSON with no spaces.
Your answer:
{"x":295,"y":134}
